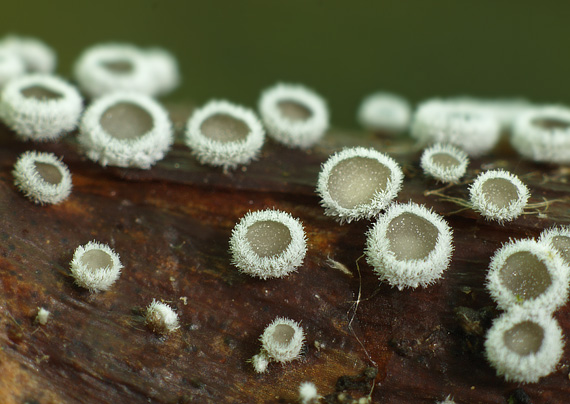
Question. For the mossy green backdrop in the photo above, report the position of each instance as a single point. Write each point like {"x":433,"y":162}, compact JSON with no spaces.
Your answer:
{"x":343,"y":49}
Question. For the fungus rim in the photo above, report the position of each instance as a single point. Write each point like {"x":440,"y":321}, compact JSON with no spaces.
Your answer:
{"x":165,"y":72}
{"x":161,"y":318}
{"x":440,"y":173}
{"x":384,"y":111}
{"x":36,"y":55}
{"x":102,"y":278}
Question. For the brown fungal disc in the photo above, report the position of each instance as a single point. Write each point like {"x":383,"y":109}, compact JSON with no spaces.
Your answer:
{"x":268,"y":238}
{"x":96,"y":259}
{"x":500,"y":192}
{"x":224,"y":128}
{"x":48,"y":172}
{"x":411,"y":237}
{"x":40,"y":92}
{"x":445,"y":160}
{"x":118,"y":66}
{"x":551,"y":123}
{"x":354,"y":181}
{"x":294,"y":111}
{"x":126,"y":120}
{"x":562,"y":245}
{"x":525,"y":275}
{"x":524,"y":338}
{"x":283,"y":334}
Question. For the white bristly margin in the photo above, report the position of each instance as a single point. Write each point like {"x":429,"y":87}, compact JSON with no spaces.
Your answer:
{"x":553,"y":297}
{"x":408,"y":273}
{"x":100,"y":279}
{"x":226,"y":154}
{"x":36,"y":55}
{"x":473,"y":129}
{"x":444,"y":174}
{"x":308,"y":393}
{"x":40,"y":119}
{"x":301,"y":134}
{"x":547,"y":236}
{"x":96,"y":80}
{"x":384,"y":111}
{"x":33,"y":186}
{"x":161,"y":318}
{"x":490,"y":211}
{"x":11,"y":66}
{"x":276,"y":266}
{"x":528,"y":368}
{"x":164,"y":66}
{"x":541,"y":144}
{"x":380,"y":200}
{"x":141,"y":152}
{"x":280,"y":352}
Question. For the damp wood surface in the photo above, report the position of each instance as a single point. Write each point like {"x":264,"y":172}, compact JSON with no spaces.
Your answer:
{"x":171,"y":226}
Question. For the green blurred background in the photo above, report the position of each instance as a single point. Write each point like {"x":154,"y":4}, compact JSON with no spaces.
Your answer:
{"x":342,"y":49}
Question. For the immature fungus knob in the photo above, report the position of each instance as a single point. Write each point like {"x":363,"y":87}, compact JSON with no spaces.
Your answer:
{"x":224,"y":134}
{"x":308,"y":393}
{"x":161,"y":318}
{"x":42,"y":177}
{"x":126,"y":130}
{"x":358,"y":183}
{"x":294,"y":115}
{"x":40,"y":107}
{"x":498,"y":195}
{"x":43,"y":316}
{"x":268,"y":244}
{"x":281,"y":341}
{"x":444,"y":162}
{"x":36,"y":55}
{"x":409,"y":246}
{"x":527,"y":273}
{"x":559,"y":239}
{"x":384,"y":112}
{"x":95,"y":266}
{"x":524,"y":345}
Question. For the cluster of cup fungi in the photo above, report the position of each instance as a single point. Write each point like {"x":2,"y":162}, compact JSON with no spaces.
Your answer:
{"x":408,"y":244}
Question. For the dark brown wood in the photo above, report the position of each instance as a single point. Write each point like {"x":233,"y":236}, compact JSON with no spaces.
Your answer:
{"x":171,"y":226}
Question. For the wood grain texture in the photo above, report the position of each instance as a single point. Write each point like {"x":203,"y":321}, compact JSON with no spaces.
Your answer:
{"x":171,"y":226}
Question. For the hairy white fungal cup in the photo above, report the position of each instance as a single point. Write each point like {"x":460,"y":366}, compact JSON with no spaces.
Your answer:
{"x":473,"y":129}
{"x":559,"y":239}
{"x":444,"y":162}
{"x":498,"y":195}
{"x":385,"y":112}
{"x":529,"y":274}
{"x":224,"y":134}
{"x":524,"y":345}
{"x":42,"y":177}
{"x":358,"y":183}
{"x":95,"y":266}
{"x":543,"y":134}
{"x":126,"y":130}
{"x":409,"y":246}
{"x":161,"y":318}
{"x":294,"y":115}
{"x":36,"y":55}
{"x":268,"y":244}
{"x":11,"y":66}
{"x":40,"y":107}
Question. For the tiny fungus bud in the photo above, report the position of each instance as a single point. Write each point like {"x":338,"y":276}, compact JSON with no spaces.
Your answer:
{"x":260,"y":362}
{"x":384,"y":112}
{"x":268,"y":244}
{"x":11,"y":66}
{"x":126,"y":130}
{"x":524,"y":345}
{"x":498,"y":195}
{"x":559,"y":239}
{"x":409,"y":246}
{"x":294,"y":115}
{"x":308,"y":393}
{"x":42,"y":177}
{"x":444,"y":162}
{"x":473,"y":129}
{"x":224,"y":134}
{"x":95,"y":266}
{"x":161,"y":318}
{"x":40,"y":107}
{"x":43,"y":316}
{"x":358,"y":183}
{"x":527,"y":273}
{"x":543,"y":134}
{"x":36,"y":55}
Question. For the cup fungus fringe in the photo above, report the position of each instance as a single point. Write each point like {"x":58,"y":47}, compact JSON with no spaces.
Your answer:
{"x":498,"y":195}
{"x":11,"y":66}
{"x":161,"y":318}
{"x":444,"y":162}
{"x":559,"y":239}
{"x":268,"y":244}
{"x":95,"y":266}
{"x":409,"y":246}
{"x":42,"y":177}
{"x":224,"y":134}
{"x":385,"y":112}
{"x":524,"y":345}
{"x":35,"y":54}
{"x":294,"y":115}
{"x":358,"y":183}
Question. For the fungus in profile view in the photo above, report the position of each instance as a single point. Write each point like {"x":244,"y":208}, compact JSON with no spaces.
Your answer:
{"x":224,"y":134}
{"x":524,"y":345}
{"x":358,"y":183}
{"x":35,"y":54}
{"x":444,"y":162}
{"x":95,"y":266}
{"x":42,"y":177}
{"x":559,"y":239}
{"x":268,"y":244}
{"x":161,"y":318}
{"x":11,"y":66}
{"x":409,"y":246}
{"x":384,"y":112}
